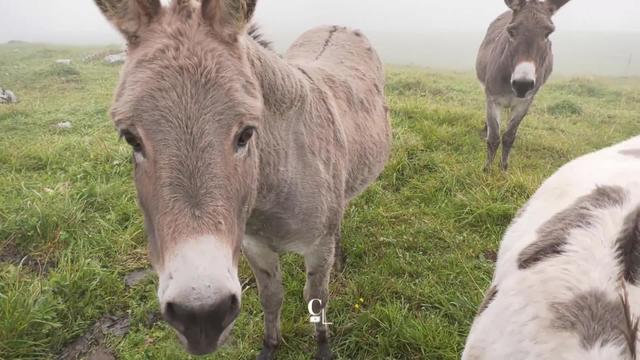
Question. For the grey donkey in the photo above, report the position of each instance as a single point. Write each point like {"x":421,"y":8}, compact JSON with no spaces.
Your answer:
{"x":514,"y":62}
{"x":238,"y":150}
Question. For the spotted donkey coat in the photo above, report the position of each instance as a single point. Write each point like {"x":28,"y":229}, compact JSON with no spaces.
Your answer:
{"x":566,"y":285}
{"x":237,"y":147}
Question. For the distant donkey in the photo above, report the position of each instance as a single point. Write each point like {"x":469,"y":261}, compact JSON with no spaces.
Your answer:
{"x":236,"y":147}
{"x":514,"y":61}
{"x":567,"y":279}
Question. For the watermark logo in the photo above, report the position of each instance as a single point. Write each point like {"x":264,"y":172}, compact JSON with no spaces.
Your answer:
{"x":317,"y":317}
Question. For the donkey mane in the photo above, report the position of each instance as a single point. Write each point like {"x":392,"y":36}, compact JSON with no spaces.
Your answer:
{"x":255,"y":33}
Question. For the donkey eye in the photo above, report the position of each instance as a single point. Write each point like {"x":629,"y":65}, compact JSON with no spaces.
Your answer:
{"x":132,"y":140}
{"x":245,"y":137}
{"x":511,"y":31}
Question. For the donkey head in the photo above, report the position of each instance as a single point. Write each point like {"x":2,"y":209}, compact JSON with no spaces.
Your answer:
{"x":529,"y":33}
{"x":189,"y":106}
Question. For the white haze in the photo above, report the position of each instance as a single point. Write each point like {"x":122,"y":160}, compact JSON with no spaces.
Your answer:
{"x":593,"y":36}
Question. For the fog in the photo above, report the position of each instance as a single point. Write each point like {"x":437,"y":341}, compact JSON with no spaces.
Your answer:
{"x":593,"y":36}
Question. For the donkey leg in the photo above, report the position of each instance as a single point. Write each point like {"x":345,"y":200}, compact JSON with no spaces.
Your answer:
{"x":340,"y":256}
{"x":318,"y":263}
{"x":266,"y":268}
{"x":493,"y":133}
{"x":509,"y":137}
{"x":483,"y":132}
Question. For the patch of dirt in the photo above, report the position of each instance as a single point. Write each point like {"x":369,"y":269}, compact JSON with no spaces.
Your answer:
{"x":10,"y":254}
{"x":101,"y":353}
{"x":91,"y":344}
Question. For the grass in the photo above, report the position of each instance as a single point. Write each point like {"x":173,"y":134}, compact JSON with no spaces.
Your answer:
{"x":420,"y":241}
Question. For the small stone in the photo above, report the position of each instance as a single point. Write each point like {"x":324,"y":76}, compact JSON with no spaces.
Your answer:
{"x":7,"y":97}
{"x":136,"y":277}
{"x":63,"y":61}
{"x":116,"y":58}
{"x":64,"y":125}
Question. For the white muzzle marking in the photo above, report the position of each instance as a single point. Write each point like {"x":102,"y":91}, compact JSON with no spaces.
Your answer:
{"x":524,"y":71}
{"x":199,"y":272}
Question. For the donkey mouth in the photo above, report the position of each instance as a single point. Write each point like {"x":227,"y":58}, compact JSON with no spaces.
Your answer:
{"x":198,"y":342}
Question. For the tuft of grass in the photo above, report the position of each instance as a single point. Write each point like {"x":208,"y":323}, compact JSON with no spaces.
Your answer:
{"x":419,"y":242}
{"x":63,"y":72}
{"x":565,"y":108}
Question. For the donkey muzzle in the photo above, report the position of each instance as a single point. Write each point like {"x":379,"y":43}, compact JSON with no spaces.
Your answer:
{"x":199,"y":293}
{"x":202,"y":329}
{"x":522,"y":87}
{"x":523,"y":79}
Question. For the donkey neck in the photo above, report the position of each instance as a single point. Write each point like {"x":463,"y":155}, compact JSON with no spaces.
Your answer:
{"x":284,"y":88}
{"x":287,"y":96}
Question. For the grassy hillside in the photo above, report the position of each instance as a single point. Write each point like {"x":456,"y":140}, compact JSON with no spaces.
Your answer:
{"x":420,"y":243}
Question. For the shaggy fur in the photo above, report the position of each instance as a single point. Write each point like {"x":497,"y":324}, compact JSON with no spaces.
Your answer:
{"x":579,"y":299}
{"x":195,"y":82}
{"x":552,"y":237}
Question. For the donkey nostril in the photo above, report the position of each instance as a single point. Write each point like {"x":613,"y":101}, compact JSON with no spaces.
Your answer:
{"x":178,"y":314}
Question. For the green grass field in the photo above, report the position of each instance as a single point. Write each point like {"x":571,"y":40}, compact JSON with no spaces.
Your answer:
{"x":420,"y":243}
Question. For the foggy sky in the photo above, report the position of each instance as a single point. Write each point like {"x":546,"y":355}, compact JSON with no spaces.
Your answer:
{"x":79,"y":22}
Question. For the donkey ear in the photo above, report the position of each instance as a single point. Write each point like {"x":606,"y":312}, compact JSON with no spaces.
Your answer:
{"x":229,"y":18}
{"x":515,"y":5}
{"x":555,"y":5}
{"x":130,"y":16}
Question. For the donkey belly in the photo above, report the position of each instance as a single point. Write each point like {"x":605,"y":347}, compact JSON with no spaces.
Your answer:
{"x":343,"y":63}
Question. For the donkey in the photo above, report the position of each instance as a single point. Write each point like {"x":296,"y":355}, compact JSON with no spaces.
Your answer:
{"x":567,"y":280}
{"x":238,"y":149}
{"x":514,"y":62}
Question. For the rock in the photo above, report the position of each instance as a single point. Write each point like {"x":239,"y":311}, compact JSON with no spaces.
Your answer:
{"x":136,"y":277}
{"x":63,"y":61}
{"x":116,"y":58}
{"x":64,"y":125}
{"x":7,"y":97}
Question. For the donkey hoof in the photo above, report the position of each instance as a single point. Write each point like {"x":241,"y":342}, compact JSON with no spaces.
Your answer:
{"x":324,"y":353}
{"x":504,"y":167}
{"x":267,"y":353}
